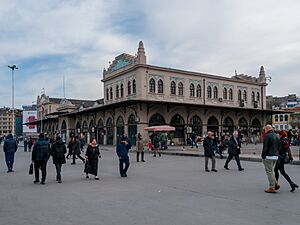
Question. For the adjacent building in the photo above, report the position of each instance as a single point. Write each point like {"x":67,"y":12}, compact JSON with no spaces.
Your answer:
{"x":6,"y":121}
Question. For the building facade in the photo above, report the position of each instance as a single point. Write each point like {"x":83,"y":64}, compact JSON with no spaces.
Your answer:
{"x":138,"y":95}
{"x":6,"y":121}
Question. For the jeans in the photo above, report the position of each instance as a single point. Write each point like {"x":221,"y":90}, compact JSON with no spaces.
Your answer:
{"x":58,"y":171}
{"x":40,"y":165}
{"x":9,"y":159}
{"x":269,"y":165}
{"x":123,"y":161}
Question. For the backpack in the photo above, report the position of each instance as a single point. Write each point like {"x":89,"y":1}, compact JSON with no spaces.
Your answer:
{"x":43,"y":152}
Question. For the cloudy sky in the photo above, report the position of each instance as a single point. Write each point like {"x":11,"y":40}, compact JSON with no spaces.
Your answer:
{"x":50,"y":39}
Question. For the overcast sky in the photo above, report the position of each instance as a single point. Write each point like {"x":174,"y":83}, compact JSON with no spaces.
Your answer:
{"x":50,"y":39}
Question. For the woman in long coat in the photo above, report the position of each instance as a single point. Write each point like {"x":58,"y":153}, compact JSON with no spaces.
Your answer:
{"x":92,"y":154}
{"x":139,"y":148}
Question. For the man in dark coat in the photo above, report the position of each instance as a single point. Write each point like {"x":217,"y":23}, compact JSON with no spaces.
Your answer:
{"x":58,"y":151}
{"x":76,"y":147}
{"x":10,"y":147}
{"x":234,"y":150}
{"x":40,"y":156}
{"x":209,"y":151}
{"x":269,"y":155}
{"x":122,"y":152}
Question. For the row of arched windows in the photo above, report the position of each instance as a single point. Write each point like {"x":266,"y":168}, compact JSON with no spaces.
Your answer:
{"x":131,"y":89}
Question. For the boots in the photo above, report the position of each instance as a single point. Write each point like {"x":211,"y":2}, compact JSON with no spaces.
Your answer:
{"x":142,"y":153}
{"x":293,"y":186}
{"x":137,"y":156}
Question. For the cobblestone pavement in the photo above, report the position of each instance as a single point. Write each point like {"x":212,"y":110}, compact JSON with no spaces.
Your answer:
{"x":167,"y":190}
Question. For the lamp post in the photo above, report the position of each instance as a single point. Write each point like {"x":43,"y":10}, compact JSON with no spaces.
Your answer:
{"x":13,"y":68}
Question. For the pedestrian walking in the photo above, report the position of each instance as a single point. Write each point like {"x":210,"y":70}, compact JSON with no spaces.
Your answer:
{"x":140,"y":148}
{"x":76,"y":150}
{"x":58,"y":151}
{"x":92,"y":154}
{"x":271,"y":147}
{"x":234,"y":150}
{"x":30,"y":144}
{"x":40,"y":157}
{"x":122,"y":152}
{"x":156,"y":141}
{"x":209,"y":151}
{"x":194,"y":140}
{"x":10,"y":147}
{"x":164,"y":141}
{"x":25,"y":144}
{"x":70,"y":147}
{"x":284,"y":157}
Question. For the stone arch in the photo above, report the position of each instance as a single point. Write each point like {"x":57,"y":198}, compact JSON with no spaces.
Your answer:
{"x":63,"y":131}
{"x":157,"y":119}
{"x":228,"y":125}
{"x":132,"y":129}
{"x":213,"y":124}
{"x":177,"y":121}
{"x":243,"y":126}
{"x":120,"y":125}
{"x":109,"y":131}
{"x":256,"y":126}
{"x":196,"y":124}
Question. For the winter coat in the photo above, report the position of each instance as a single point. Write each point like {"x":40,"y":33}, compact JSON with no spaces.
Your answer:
{"x":139,"y":146}
{"x":156,"y":142}
{"x":36,"y":152}
{"x":58,"y":151}
{"x":208,"y":147}
{"x":92,"y":152}
{"x":76,"y":147}
{"x":271,"y":145}
{"x":10,"y":144}
{"x":233,"y":146}
{"x":122,"y":151}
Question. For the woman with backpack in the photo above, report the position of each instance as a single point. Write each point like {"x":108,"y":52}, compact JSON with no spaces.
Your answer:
{"x":284,"y":156}
{"x":58,"y":151}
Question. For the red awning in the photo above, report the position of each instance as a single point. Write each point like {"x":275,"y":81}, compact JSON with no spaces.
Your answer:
{"x":160,"y":128}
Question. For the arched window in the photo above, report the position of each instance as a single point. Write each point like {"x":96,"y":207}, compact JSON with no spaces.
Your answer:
{"x":225,"y":93}
{"x":192,"y":90}
{"x":198,"y":91}
{"x":257,"y":97}
{"x":133,"y":87}
{"x":111,"y":93}
{"x":107,"y":94}
{"x":253,"y":97}
{"x":160,"y":85}
{"x":230,"y":94}
{"x":129,"y":88}
{"x":156,"y":120}
{"x":180,"y":88}
{"x":245,"y":95}
{"x":178,"y":122}
{"x":117,"y":91}
{"x":173,"y":88}
{"x":215,"y":92}
{"x":122,"y":90}
{"x":239,"y":95}
{"x":209,"y":92}
{"x":152,"y":85}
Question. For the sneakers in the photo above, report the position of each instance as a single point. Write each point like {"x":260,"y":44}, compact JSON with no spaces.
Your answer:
{"x":226,"y":168}
{"x":214,"y":170}
{"x":96,"y":178}
{"x":207,"y":170}
{"x":241,"y":169}
{"x":42,"y":182}
{"x":36,"y":181}
{"x":270,"y":190}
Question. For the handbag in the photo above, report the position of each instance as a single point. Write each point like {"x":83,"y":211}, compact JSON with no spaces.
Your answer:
{"x":31,"y":169}
{"x":87,"y":168}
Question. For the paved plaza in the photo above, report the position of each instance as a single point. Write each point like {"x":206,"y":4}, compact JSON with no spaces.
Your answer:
{"x":171,"y":190}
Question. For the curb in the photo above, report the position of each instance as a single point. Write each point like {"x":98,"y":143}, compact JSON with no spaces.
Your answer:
{"x":250,"y":159}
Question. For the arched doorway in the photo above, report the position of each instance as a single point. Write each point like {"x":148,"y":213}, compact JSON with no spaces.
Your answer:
{"x":243,"y":126}
{"x":132,"y":129}
{"x":64,"y":131}
{"x":196,"y":124}
{"x":213,"y":125}
{"x":156,"y":120}
{"x":178,"y":122}
{"x":256,"y":127}
{"x":78,"y":128}
{"x":110,"y":132}
{"x":85,"y":130}
{"x":100,"y":132}
{"x":120,"y":128}
{"x":92,"y":130}
{"x":228,"y":126}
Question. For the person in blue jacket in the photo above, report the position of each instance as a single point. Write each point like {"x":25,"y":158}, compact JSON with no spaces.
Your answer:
{"x":10,"y":147}
{"x":122,"y":152}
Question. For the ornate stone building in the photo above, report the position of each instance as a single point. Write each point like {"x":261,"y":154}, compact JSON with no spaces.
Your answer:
{"x":138,"y":95}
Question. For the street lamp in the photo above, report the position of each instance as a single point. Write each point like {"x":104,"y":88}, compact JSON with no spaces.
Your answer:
{"x":13,"y":68}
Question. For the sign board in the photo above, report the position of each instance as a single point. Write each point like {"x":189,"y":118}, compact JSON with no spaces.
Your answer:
{"x":29,"y":116}
{"x":189,"y":130}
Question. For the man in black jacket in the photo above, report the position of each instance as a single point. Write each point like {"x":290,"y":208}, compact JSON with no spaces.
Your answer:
{"x":269,"y":157}
{"x":76,"y":149}
{"x":209,"y":151}
{"x":40,"y":156}
{"x":58,"y":151}
{"x":122,"y":152}
{"x":234,"y":150}
{"x":10,"y":147}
